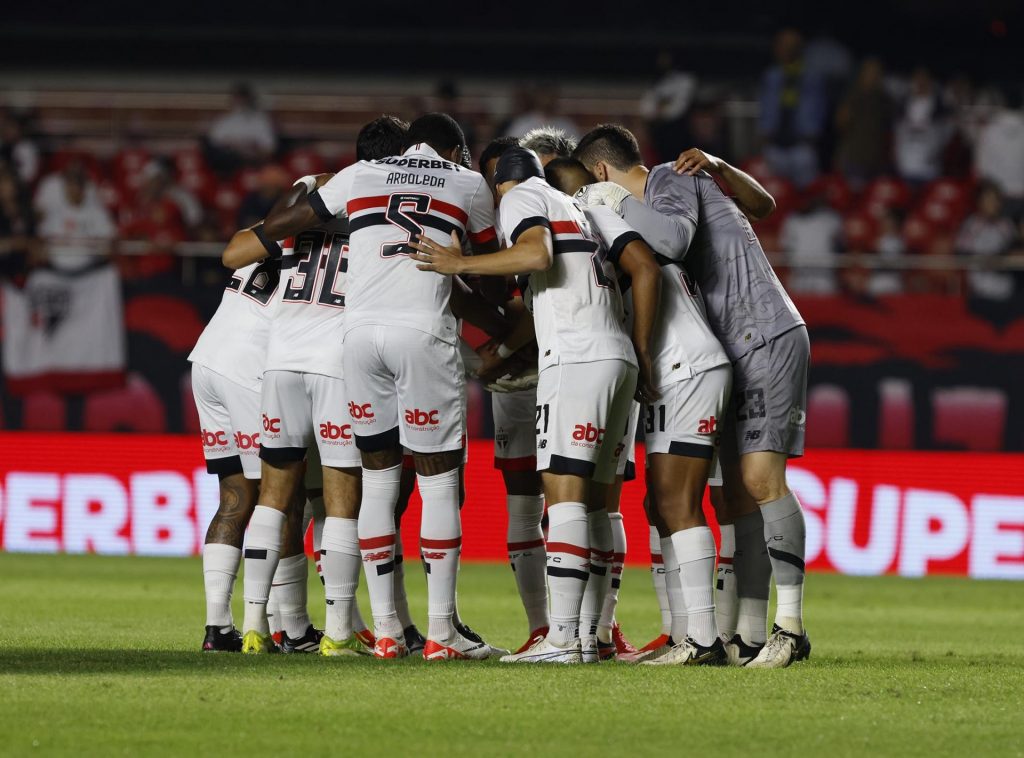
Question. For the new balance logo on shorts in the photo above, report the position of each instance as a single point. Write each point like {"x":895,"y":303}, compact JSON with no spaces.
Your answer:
{"x":752,"y":435}
{"x":214,"y":439}
{"x":417,"y":417}
{"x":707,"y":426}
{"x":360,"y":412}
{"x":587,"y":436}
{"x":332,"y":431}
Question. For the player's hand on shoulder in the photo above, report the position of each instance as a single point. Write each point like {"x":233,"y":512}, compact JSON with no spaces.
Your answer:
{"x":602,"y":193}
{"x":433,"y":256}
{"x":693,"y":160}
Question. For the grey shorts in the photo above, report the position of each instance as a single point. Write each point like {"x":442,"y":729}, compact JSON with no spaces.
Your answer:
{"x":768,"y":410}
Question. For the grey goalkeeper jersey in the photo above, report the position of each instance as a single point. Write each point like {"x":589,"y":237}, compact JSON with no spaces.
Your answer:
{"x":689,"y":218}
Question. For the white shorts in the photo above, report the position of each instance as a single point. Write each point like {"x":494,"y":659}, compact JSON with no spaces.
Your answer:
{"x":300,"y":408}
{"x":405,"y":387}
{"x":582,"y":412}
{"x":685,"y":421}
{"x":626,"y":467}
{"x":515,"y":430}
{"x":229,"y":419}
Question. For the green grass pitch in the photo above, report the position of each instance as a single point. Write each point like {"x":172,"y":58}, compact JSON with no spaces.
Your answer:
{"x":99,"y":656}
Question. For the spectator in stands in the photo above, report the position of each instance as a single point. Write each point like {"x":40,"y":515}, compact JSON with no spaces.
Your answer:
{"x":793,"y":111}
{"x":17,"y":150}
{"x":999,"y":157}
{"x":922,"y":131}
{"x":542,"y":110}
{"x":52,"y":190}
{"x":243,"y":135}
{"x":75,"y":225}
{"x":811,"y":238}
{"x":157,"y":218}
{"x":270,"y":185}
{"x":988,"y":232}
{"x":864,"y":122}
{"x":666,"y":107}
{"x":17,"y":226}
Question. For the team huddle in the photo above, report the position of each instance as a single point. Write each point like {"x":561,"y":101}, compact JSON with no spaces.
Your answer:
{"x":331,"y":382}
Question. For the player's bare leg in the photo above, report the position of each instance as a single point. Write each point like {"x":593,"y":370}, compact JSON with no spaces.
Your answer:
{"x":278,"y":486}
{"x":677,"y":483}
{"x":568,"y":550}
{"x":342,"y":560}
{"x":764,"y":478}
{"x":526,"y":552}
{"x":222,"y":553}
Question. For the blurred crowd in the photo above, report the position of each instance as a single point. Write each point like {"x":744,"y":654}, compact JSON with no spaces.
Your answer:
{"x":862,"y":161}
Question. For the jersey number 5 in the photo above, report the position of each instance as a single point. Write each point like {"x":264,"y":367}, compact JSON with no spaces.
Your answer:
{"x":397,"y":214}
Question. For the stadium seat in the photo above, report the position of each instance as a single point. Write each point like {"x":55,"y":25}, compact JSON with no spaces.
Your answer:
{"x":895,"y":414}
{"x":969,"y":418}
{"x":126,"y":167}
{"x":860,"y":231}
{"x":836,"y":191}
{"x":44,"y":412}
{"x":887,"y":191}
{"x":828,"y":416}
{"x":136,"y":407}
{"x":918,"y":233}
{"x":171,"y":320}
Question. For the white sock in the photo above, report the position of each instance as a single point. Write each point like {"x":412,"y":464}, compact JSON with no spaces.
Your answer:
{"x":674,"y":589}
{"x":568,"y":569}
{"x":751,"y":613}
{"x":440,"y":546}
{"x":658,"y":577}
{"x":401,"y":598}
{"x":527,"y":556}
{"x":725,"y":588}
{"x":789,"y":603}
{"x":290,"y":589}
{"x":262,"y":548}
{"x":600,"y":533}
{"x":220,"y":567}
{"x":341,"y":564}
{"x":611,"y":599}
{"x":695,"y":552}
{"x":274,"y":621}
{"x":377,"y":546}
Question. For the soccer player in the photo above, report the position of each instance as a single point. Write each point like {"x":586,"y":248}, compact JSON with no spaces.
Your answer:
{"x":403,"y":372}
{"x":548,"y":142}
{"x":304,"y":399}
{"x":687,"y":217}
{"x":583,"y":346}
{"x":691,"y":373}
{"x":515,"y":455}
{"x":227,"y":374}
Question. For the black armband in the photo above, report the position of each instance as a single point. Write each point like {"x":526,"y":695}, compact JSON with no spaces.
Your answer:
{"x":272,"y":247}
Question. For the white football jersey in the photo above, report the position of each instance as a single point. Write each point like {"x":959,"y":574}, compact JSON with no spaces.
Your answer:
{"x":306,"y":333}
{"x":388,"y":203}
{"x":577,"y":308}
{"x":234,"y":343}
{"x":683,"y":343}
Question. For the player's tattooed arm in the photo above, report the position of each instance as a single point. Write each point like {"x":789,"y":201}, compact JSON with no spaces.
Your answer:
{"x":533,"y":251}
{"x":753,"y":199}
{"x":637,"y":260}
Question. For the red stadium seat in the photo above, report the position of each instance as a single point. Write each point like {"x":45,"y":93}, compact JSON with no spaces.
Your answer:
{"x":136,"y":407}
{"x":969,"y":418}
{"x":918,"y":233}
{"x":171,"y":320}
{"x":889,"y":192}
{"x":126,"y":167}
{"x":757,"y":167}
{"x":828,"y":416}
{"x":836,"y":191}
{"x":44,"y":412}
{"x":860,"y":231}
